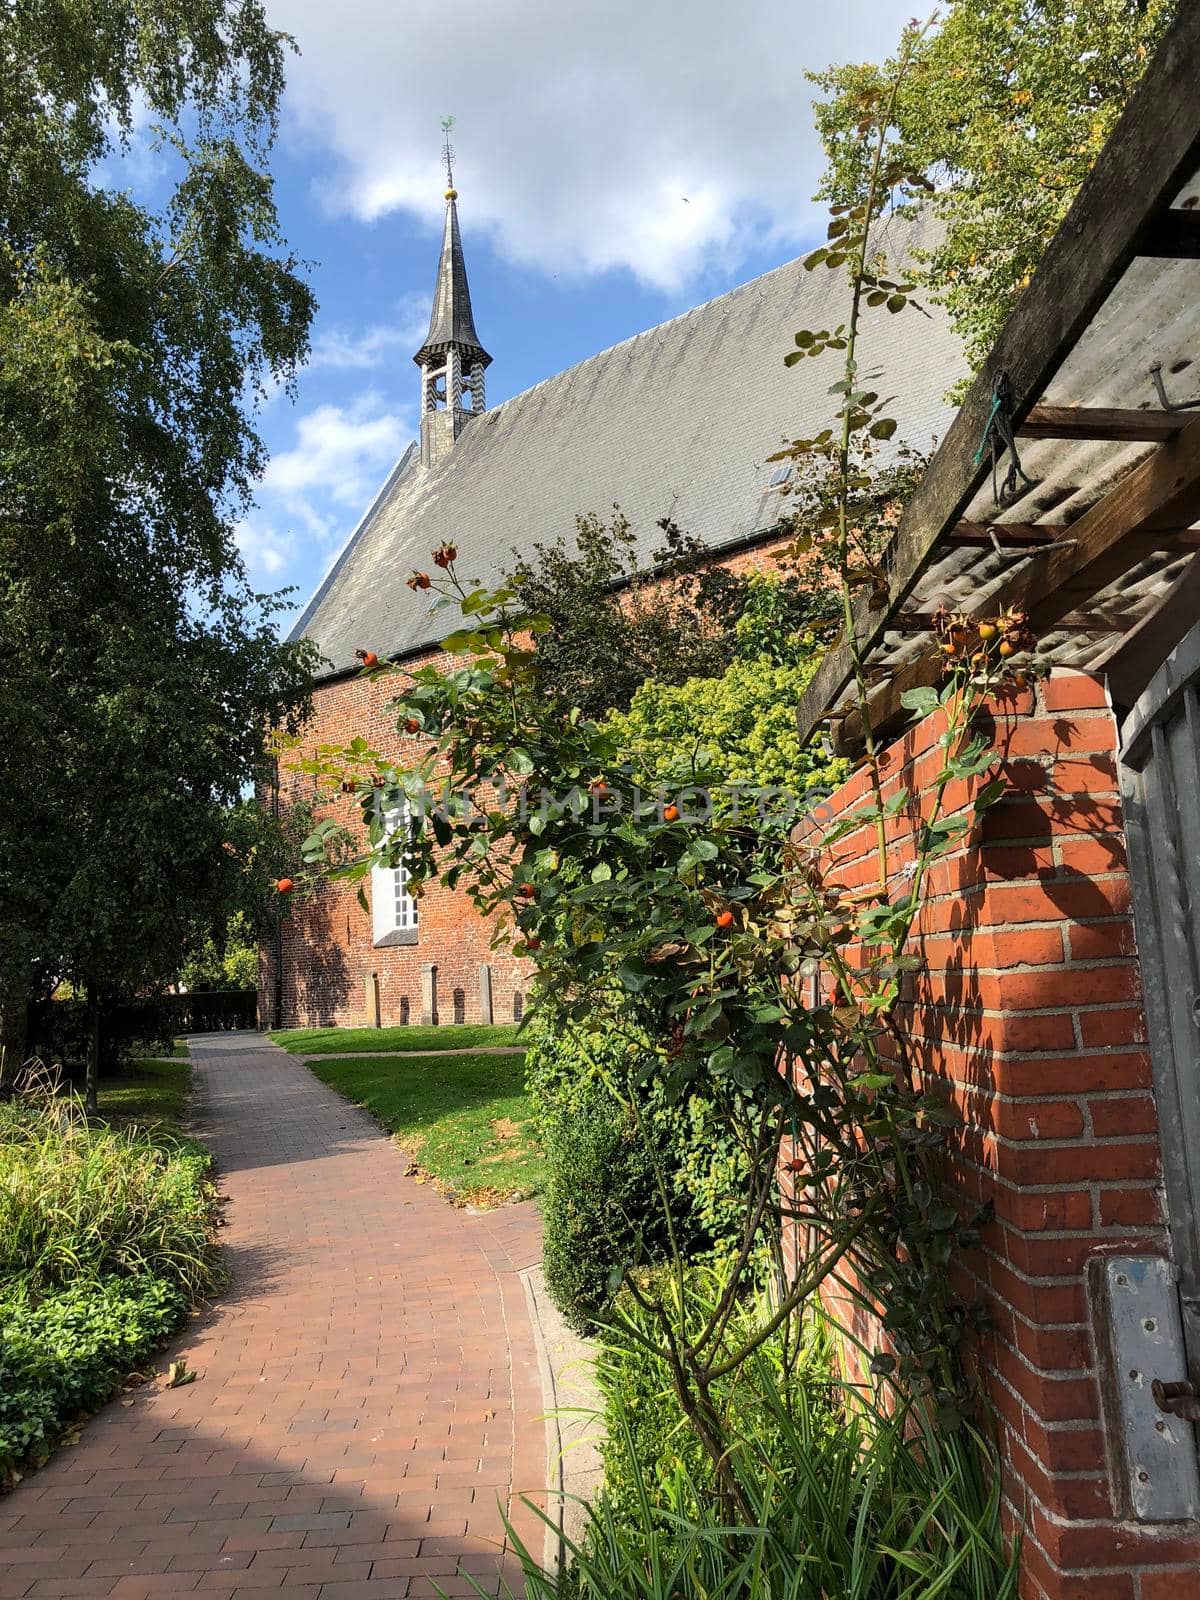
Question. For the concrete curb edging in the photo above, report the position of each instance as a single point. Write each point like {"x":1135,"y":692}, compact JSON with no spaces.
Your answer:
{"x":573,"y":1419}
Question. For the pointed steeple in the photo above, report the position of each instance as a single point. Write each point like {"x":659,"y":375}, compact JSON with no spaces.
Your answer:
{"x":452,"y":359}
{"x":452,"y":321}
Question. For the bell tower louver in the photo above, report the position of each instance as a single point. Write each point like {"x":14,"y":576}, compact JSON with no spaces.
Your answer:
{"x":452,"y":359}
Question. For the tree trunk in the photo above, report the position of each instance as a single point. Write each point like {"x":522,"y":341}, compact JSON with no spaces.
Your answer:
{"x":14,"y":1012}
{"x":90,"y":1095}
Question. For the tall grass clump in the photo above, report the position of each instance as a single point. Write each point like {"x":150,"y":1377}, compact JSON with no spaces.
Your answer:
{"x":80,"y":1201}
{"x":853,"y":1493}
{"x":106,"y":1238}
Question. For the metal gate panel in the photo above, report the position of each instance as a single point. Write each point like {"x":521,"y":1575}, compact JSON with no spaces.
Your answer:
{"x":1160,"y":785}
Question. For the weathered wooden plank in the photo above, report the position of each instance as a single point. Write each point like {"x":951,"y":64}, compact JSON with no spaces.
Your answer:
{"x":1138,"y":656}
{"x":1153,"y":150}
{"x":1160,"y":496}
{"x":1175,"y":234}
{"x":1021,"y":535}
{"x":885,"y":703}
{"x":1100,"y":422}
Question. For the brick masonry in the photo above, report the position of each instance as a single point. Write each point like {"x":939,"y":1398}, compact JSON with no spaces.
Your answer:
{"x":1029,"y":1013}
{"x":331,"y":964}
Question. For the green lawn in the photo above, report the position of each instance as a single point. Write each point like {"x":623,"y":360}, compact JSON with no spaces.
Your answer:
{"x":149,"y":1094}
{"x":466,"y":1120}
{"x":363,"y":1041}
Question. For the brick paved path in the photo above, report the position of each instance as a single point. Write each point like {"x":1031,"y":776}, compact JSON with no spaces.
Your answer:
{"x":367,"y":1391}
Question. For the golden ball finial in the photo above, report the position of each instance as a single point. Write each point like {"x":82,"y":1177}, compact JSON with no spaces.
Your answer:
{"x":451,"y":194}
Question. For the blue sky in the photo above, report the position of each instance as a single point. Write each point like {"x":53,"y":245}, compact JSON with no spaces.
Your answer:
{"x":616,"y":164}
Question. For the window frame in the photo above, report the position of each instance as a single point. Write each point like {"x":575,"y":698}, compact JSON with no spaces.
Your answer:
{"x":395,"y":918}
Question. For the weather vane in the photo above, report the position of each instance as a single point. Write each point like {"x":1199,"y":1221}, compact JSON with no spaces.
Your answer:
{"x":448,"y":151}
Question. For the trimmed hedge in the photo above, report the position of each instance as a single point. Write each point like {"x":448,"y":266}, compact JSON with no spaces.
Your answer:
{"x":599,"y":1207}
{"x":58,"y":1028}
{"x":602,"y":1206}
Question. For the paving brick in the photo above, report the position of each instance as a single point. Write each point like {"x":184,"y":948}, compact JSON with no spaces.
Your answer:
{"x":374,"y":1341}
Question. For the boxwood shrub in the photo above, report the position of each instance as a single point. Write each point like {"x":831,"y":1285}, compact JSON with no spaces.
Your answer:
{"x":603,"y":1206}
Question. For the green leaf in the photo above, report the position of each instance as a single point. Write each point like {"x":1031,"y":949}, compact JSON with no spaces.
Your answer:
{"x":871,"y":1080}
{"x":920,"y":701}
{"x":947,"y":825}
{"x":462,"y":641}
{"x":884,"y":428}
{"x":443,"y":832}
{"x":990,"y":793}
{"x":634,"y":978}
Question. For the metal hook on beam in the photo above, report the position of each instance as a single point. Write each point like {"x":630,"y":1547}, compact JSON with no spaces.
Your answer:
{"x":1167,"y":405}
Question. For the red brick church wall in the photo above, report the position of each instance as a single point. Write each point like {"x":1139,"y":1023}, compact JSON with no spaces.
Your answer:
{"x":1029,"y":1013}
{"x":329,"y":955}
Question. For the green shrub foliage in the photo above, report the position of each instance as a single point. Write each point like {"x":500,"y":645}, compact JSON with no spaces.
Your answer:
{"x":614,"y":1145}
{"x":745,"y":720}
{"x":68,"y":1352}
{"x":600,"y":1206}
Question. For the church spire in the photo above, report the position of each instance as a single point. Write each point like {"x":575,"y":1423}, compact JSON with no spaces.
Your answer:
{"x":452,"y":359}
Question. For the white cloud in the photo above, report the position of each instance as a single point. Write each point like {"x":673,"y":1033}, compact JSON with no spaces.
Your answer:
{"x":340,"y":454}
{"x":346,"y":349}
{"x":265,"y":550}
{"x":319,"y":481}
{"x":640,"y":134}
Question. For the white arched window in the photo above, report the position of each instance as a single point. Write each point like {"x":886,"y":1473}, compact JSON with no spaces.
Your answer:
{"x":393,"y":909}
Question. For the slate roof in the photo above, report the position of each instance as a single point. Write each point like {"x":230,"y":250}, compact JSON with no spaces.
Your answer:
{"x":677,"y":422}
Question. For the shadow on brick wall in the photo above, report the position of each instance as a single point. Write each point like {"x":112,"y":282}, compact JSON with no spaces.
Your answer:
{"x":319,"y":983}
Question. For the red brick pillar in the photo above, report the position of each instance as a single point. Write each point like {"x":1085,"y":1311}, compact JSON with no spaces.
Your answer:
{"x":1029,"y":1011}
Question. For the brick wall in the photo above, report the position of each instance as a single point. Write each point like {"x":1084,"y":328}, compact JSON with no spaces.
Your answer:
{"x":1029,"y":1012}
{"x":329,"y":955}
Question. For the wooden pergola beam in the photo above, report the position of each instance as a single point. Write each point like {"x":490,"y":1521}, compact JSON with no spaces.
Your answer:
{"x":1146,"y":510}
{"x":1027,"y":535}
{"x":1153,"y":150}
{"x":1138,"y":656}
{"x":1100,"y":422}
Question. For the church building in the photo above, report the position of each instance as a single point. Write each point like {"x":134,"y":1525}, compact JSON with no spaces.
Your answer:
{"x":677,"y":422}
